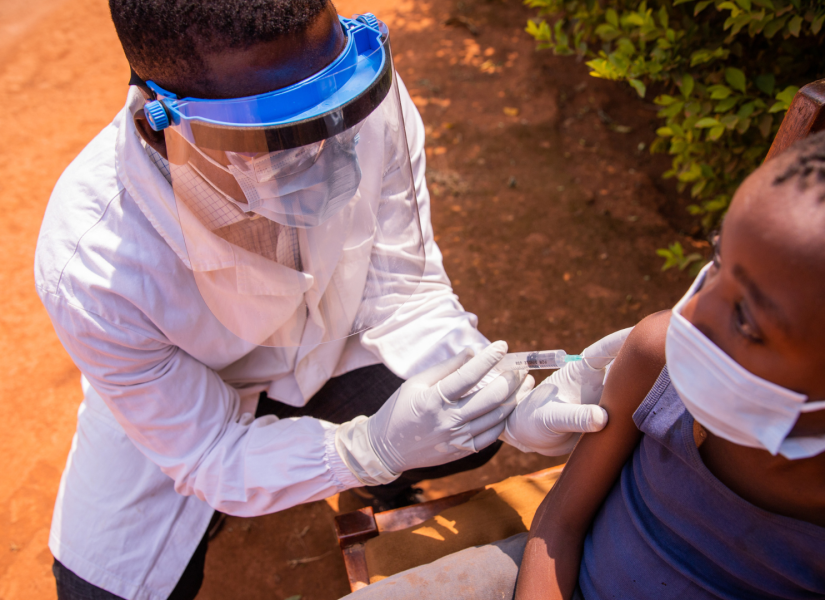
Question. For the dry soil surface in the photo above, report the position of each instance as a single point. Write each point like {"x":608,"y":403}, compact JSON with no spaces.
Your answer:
{"x":545,"y":203}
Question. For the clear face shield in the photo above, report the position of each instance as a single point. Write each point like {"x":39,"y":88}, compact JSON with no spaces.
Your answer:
{"x":298,"y":207}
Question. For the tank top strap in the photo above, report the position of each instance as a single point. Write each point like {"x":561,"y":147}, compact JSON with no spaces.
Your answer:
{"x":663,"y":417}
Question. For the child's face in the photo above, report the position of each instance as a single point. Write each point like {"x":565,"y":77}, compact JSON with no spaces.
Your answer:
{"x":762,"y":301}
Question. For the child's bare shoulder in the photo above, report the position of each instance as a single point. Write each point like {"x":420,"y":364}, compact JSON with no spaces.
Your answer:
{"x":646,"y":343}
{"x":638,"y":365}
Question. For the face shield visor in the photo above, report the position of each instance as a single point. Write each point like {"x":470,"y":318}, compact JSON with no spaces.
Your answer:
{"x":298,"y":206}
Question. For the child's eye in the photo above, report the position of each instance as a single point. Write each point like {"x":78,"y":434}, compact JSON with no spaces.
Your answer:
{"x":744,"y":326}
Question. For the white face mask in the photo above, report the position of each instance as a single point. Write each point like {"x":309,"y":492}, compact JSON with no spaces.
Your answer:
{"x":727,"y":399}
{"x":302,"y":187}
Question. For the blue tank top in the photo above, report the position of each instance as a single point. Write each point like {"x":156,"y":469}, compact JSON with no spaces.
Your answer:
{"x":670,"y":529}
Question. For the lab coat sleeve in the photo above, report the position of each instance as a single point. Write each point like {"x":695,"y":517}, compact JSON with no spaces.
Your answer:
{"x":182,"y":416}
{"x":431,"y":326}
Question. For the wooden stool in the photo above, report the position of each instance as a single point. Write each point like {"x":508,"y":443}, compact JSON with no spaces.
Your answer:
{"x":355,"y":528}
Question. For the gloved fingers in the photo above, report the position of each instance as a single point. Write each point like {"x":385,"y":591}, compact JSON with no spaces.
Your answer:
{"x":498,"y":393}
{"x":561,"y":417}
{"x":508,"y":438}
{"x":461,"y":380}
{"x":438,"y":372}
{"x":502,"y":411}
{"x":491,"y":419}
{"x":484,"y":439}
{"x":462,"y":441}
{"x":561,"y":446}
{"x":605,"y":350}
{"x":524,"y":389}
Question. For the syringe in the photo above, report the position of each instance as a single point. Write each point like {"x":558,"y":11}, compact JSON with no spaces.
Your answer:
{"x":545,"y":359}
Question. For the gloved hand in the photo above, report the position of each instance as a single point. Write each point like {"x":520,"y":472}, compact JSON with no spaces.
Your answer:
{"x":552,"y":417}
{"x":427,"y":422}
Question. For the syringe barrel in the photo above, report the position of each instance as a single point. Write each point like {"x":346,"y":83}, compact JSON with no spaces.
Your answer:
{"x":545,"y":359}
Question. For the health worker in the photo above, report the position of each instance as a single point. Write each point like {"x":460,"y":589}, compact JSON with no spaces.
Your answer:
{"x":242,"y":266}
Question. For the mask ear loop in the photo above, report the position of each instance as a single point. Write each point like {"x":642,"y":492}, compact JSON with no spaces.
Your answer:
{"x":815,"y":406}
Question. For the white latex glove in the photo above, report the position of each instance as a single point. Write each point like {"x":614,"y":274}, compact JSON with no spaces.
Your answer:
{"x":427,"y":422}
{"x":553,"y":416}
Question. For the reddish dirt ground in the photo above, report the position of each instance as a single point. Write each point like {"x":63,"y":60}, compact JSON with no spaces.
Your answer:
{"x":545,"y":203}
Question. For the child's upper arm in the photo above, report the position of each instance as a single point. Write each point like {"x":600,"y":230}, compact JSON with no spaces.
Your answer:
{"x":599,"y":457}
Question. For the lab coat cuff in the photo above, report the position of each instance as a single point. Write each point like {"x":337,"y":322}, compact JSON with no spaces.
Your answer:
{"x":354,"y":448}
{"x":341,"y":474}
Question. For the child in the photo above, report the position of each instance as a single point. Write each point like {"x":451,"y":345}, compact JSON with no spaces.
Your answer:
{"x":709,"y":479}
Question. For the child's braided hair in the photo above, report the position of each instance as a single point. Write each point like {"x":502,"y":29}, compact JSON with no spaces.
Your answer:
{"x":805,"y":164}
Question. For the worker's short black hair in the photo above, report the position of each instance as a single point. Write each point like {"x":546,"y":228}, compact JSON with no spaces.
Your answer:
{"x":805,"y":164}
{"x":163,"y":39}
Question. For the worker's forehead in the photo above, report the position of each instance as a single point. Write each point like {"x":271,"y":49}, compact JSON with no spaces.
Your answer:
{"x":266,"y":66}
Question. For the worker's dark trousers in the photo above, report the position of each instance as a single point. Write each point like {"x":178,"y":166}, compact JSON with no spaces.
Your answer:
{"x":359,"y":392}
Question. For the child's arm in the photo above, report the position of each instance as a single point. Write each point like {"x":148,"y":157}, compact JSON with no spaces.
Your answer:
{"x":550,"y":567}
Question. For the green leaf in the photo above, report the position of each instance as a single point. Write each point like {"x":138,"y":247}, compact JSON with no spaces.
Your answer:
{"x":706,"y":122}
{"x":678,"y":2}
{"x":664,"y":18}
{"x":816,"y":26}
{"x":735,"y":78}
{"x":700,"y":6}
{"x":787,"y":95}
{"x":743,"y":125}
{"x":729,"y":121}
{"x":795,"y":25}
{"x":766,"y":83}
{"x":716,"y":132}
{"x":771,"y":28}
{"x":745,"y":4}
{"x":726,"y":104}
{"x":719,"y":92}
{"x":612,"y":18}
{"x":664,"y":132}
{"x":687,"y":85}
{"x":664,"y":100}
{"x":607,"y":32}
{"x":672,"y":110}
{"x":638,"y":86}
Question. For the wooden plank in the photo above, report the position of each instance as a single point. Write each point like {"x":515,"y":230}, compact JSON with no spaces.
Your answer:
{"x":407,"y":516}
{"x":401,"y":518}
{"x":355,"y":560}
{"x":804,"y":117}
{"x":355,"y":527}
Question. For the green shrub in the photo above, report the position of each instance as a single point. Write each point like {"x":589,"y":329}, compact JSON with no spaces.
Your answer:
{"x":726,"y":72}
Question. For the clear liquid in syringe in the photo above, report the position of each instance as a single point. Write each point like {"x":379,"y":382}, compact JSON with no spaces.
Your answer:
{"x":544,"y":359}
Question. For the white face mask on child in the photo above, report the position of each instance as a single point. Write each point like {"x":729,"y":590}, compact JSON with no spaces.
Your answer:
{"x":729,"y":400}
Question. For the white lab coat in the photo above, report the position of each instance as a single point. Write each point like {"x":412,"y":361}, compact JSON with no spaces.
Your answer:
{"x":165,"y":432}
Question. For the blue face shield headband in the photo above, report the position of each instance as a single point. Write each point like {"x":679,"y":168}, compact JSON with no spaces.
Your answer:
{"x":297,"y":207}
{"x":318,"y":108}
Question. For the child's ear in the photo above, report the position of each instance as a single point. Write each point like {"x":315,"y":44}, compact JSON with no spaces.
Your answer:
{"x":155,"y":139}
